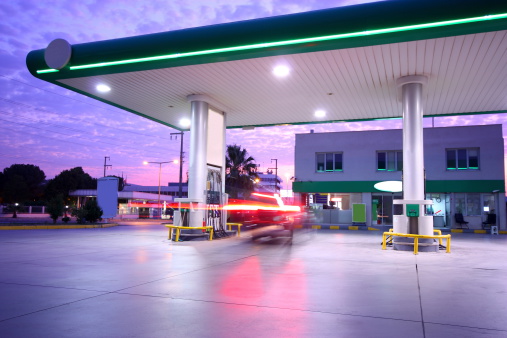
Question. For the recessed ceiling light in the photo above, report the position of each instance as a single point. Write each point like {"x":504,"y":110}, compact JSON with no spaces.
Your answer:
{"x":185,"y":122}
{"x":320,"y":113}
{"x":281,"y":71}
{"x":103,"y":88}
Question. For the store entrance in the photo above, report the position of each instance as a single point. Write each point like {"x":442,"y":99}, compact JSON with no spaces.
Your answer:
{"x":382,"y":207}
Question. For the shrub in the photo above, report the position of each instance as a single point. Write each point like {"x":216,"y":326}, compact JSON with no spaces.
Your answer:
{"x":90,"y":212}
{"x":80,"y":215}
{"x":55,"y":208}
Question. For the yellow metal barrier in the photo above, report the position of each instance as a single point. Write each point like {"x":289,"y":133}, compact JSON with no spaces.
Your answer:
{"x":179,"y":228}
{"x":436,"y":231}
{"x":416,"y":239}
{"x":239,"y":225}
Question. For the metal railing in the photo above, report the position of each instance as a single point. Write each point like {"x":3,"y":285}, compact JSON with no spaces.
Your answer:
{"x":416,"y":237}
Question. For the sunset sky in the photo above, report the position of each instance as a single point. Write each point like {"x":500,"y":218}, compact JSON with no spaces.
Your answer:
{"x":57,"y":129}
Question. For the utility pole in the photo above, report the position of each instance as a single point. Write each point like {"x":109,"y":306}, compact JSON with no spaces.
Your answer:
{"x":180,"y":190}
{"x":276,"y":172}
{"x":106,"y":165}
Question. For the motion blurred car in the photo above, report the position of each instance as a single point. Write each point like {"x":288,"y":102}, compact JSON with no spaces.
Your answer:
{"x":265,"y":215}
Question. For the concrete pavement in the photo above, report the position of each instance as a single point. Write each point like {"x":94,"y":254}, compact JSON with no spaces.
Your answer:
{"x":130,"y":281}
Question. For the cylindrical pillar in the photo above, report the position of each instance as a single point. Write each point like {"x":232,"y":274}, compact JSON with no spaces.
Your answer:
{"x":415,"y":221}
{"x":197,"y":169}
{"x":413,"y":152}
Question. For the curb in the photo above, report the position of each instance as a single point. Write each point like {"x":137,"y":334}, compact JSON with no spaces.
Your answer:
{"x":367,"y":228}
{"x":52,"y":227}
{"x":471,"y":231}
{"x":337,"y":227}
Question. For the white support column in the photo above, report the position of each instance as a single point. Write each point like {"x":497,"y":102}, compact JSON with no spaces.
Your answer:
{"x":197,"y":169}
{"x":411,"y":88}
{"x":224,"y":146}
{"x":413,"y":152}
{"x":199,"y":156}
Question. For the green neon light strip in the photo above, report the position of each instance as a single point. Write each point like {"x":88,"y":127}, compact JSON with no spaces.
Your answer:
{"x":294,"y":41}
{"x":43,"y":71}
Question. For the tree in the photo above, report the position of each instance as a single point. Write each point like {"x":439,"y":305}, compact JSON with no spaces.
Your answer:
{"x":241,"y":172}
{"x":21,"y":183}
{"x":55,"y":208}
{"x":121,"y":182}
{"x":69,"y":180}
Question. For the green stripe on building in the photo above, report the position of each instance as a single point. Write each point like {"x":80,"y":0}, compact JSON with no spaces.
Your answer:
{"x":437,"y":186}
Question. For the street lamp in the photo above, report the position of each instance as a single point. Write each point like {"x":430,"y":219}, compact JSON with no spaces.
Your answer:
{"x":159,"y":172}
{"x":276,"y":172}
{"x":15,"y":215}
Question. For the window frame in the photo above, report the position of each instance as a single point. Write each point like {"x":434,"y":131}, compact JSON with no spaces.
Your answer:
{"x":457,"y":157}
{"x":326,"y":158}
{"x":396,"y":159}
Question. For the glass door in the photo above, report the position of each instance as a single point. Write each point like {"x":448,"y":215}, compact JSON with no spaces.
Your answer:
{"x":384,"y":205}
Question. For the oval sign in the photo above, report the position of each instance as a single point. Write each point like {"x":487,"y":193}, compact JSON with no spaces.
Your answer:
{"x":389,"y":186}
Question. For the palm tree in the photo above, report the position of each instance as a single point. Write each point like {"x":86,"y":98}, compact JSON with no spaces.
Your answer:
{"x":241,"y":172}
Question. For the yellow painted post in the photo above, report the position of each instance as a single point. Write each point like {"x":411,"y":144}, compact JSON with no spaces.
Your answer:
{"x":211,"y":234}
{"x":439,"y":232}
{"x":448,"y":250}
{"x":416,"y":245}
{"x":384,"y":241}
{"x":177,"y":239}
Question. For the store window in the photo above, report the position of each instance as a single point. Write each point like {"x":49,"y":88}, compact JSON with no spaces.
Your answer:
{"x":329,"y":162}
{"x":462,"y":159}
{"x":460,"y":203}
{"x":468,"y":204}
{"x":389,"y":160}
{"x":488,"y":204}
{"x":473,"y":204}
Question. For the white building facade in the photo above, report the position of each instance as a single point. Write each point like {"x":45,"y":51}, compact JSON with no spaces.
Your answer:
{"x":464,"y":174}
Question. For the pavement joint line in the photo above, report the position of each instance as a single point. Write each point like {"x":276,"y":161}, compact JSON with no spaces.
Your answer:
{"x":269,"y":307}
{"x":468,"y":327}
{"x":53,"y":287}
{"x":54,"y":307}
{"x":420,"y":300}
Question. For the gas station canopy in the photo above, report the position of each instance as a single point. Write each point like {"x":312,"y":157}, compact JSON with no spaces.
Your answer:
{"x":342,"y":63}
